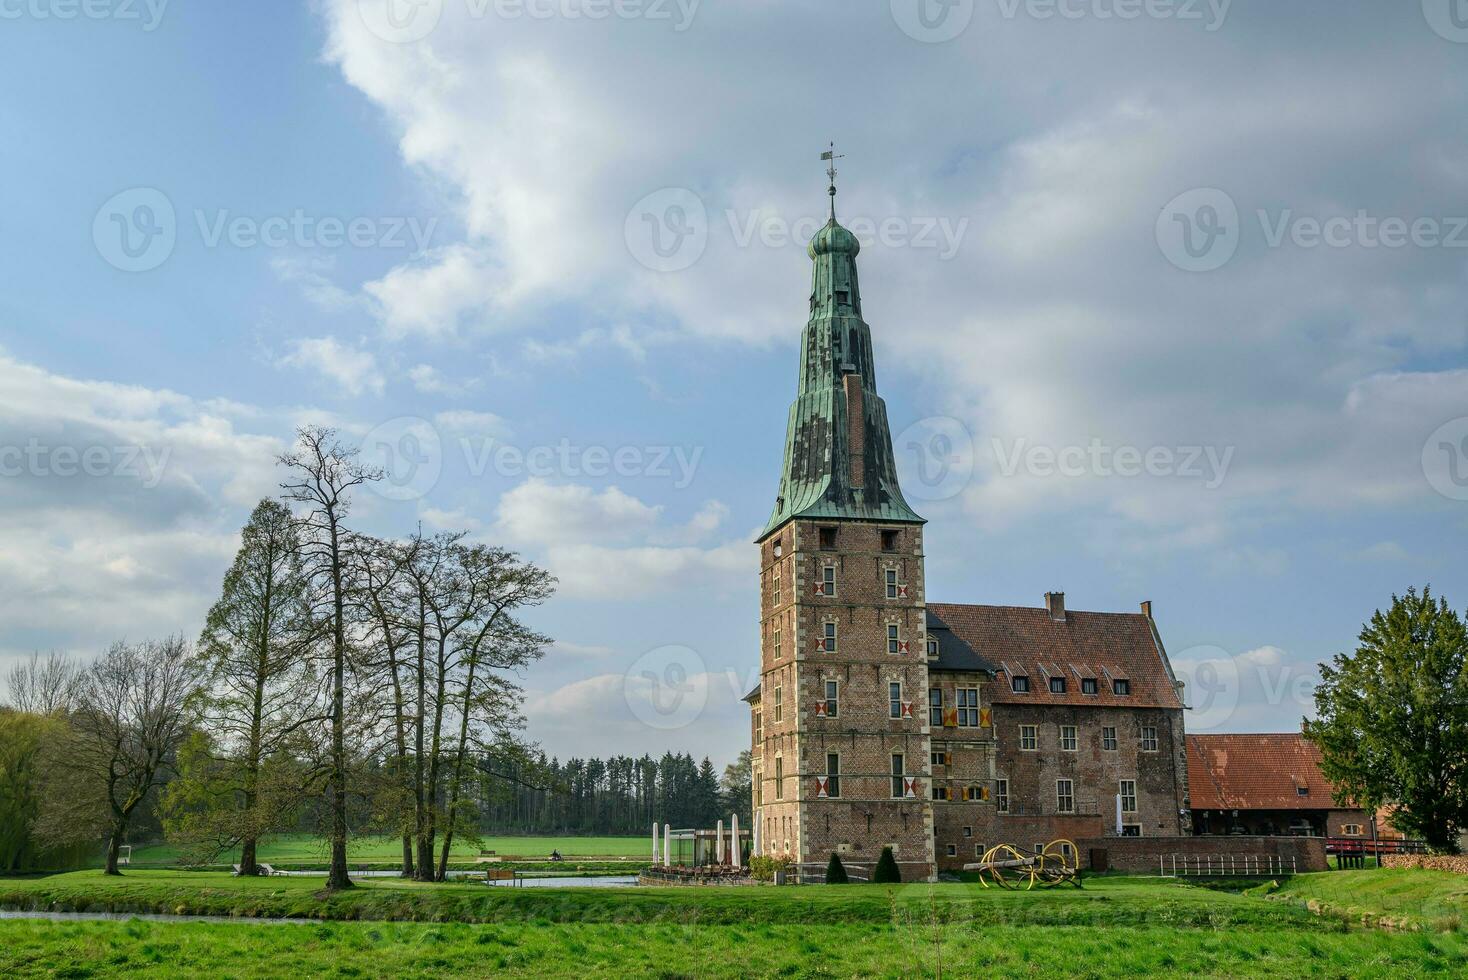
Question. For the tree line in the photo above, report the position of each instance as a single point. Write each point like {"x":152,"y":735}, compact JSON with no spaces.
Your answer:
{"x":342,"y":682}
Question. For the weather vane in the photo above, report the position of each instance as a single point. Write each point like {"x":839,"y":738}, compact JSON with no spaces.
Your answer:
{"x":832,"y":156}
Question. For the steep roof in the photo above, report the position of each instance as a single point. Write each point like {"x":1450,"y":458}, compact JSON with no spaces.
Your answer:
{"x":954,"y":653}
{"x":1024,"y":641}
{"x":1256,"y":772}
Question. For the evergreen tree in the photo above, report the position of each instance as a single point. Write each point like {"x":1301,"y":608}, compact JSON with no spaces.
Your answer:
{"x":1393,"y":719}
{"x":887,"y":872}
{"x":836,"y":871}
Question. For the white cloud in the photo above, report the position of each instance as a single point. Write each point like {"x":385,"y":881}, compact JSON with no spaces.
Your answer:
{"x":466,"y":422}
{"x":430,"y":381}
{"x":120,"y":507}
{"x":1383,"y":551}
{"x":352,"y":369}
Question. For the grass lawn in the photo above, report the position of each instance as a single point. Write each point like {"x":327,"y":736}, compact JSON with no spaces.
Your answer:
{"x":306,"y":849}
{"x":1113,"y":927}
{"x":1427,"y":899}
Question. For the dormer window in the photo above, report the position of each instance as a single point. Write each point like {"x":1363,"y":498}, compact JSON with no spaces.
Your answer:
{"x":1088,"y":685}
{"x":932,"y":648}
{"x":1121,"y":686}
{"x":1019,"y":684}
{"x":1057,"y":685}
{"x":1302,"y":790}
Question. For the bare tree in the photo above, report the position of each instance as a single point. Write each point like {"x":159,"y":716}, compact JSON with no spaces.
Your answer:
{"x":126,"y":726}
{"x":238,"y":781}
{"x":322,"y":475}
{"x":43,"y":685}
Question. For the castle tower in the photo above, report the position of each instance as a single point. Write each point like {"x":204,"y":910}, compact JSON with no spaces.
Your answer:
{"x":840,"y":720}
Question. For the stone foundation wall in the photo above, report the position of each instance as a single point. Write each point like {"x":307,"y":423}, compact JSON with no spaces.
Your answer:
{"x":1140,"y":855}
{"x":1458,"y":864}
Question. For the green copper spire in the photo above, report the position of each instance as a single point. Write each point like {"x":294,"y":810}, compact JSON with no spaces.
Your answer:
{"x":838,"y":447}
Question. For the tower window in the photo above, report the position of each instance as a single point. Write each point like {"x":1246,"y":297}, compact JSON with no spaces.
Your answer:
{"x":828,"y":580}
{"x":833,"y":774}
{"x":894,"y":700}
{"x":828,"y":539}
{"x":833,"y":705}
{"x":894,"y":638}
{"x":843,"y":297}
{"x":898,"y":784}
{"x":889,"y":540}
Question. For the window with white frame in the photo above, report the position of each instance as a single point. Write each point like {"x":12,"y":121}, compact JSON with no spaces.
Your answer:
{"x":779,"y":704}
{"x":953,"y":850}
{"x":1350,"y":830}
{"x":829,"y":640}
{"x":894,"y":638}
{"x":1067,"y":738}
{"x":899,"y":788}
{"x":1029,"y":738}
{"x":938,"y":757}
{"x":1127,"y":789}
{"x":1065,"y":800}
{"x":1149,"y":738}
{"x":968,"y":707}
{"x":932,"y":648}
{"x":891,"y":578}
{"x":1108,"y":738}
{"x":894,"y":699}
{"x":833,"y":704}
{"x":1001,"y":795}
{"x":828,"y":580}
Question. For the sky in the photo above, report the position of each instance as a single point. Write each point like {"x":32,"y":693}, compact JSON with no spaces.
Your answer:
{"x":1167,"y":300}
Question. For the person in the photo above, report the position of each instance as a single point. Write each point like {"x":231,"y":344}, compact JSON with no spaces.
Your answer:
{"x":555,"y":855}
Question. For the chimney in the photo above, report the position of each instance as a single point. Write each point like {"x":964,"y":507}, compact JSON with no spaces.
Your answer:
{"x":1055,"y":602}
{"x":1147,"y":608}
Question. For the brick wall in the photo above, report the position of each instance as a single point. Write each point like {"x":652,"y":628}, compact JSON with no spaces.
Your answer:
{"x":1095,"y":772}
{"x":1140,"y":855}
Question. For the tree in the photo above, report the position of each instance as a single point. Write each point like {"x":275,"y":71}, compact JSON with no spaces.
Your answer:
{"x":835,"y":870}
{"x":322,"y":475}
{"x":238,"y":779}
{"x":126,"y":727}
{"x":736,"y":788}
{"x":887,"y":872}
{"x":23,"y":745}
{"x":43,"y":685}
{"x":1392,"y":722}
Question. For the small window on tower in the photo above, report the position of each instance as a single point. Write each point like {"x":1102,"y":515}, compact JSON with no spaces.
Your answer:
{"x":843,"y":297}
{"x":828,"y":539}
{"x":889,"y":540}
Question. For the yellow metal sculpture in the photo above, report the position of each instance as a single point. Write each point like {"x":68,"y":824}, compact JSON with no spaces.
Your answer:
{"x":1010,"y":867}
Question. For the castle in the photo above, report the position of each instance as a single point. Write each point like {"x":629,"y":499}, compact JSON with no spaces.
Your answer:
{"x":938,"y":730}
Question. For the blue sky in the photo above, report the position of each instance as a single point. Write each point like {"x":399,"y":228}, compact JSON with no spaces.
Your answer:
{"x":1031,"y":185}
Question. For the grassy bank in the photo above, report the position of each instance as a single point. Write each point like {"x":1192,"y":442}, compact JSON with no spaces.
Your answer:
{"x":1402,"y":897}
{"x":878,"y":949}
{"x":1104,"y":902}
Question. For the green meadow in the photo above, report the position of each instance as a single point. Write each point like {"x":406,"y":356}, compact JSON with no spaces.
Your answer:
{"x":1114,"y":926}
{"x":305,"y":849}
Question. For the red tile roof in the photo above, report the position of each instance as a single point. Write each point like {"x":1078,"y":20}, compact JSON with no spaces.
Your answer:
{"x":1107,"y":646}
{"x":1256,"y":772}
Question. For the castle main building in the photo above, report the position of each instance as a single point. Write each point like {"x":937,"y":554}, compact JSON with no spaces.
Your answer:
{"x":938,"y":730}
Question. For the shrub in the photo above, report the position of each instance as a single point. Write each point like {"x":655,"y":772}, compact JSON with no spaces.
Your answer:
{"x":764,"y":868}
{"x":887,"y":872}
{"x":835,"y":871}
